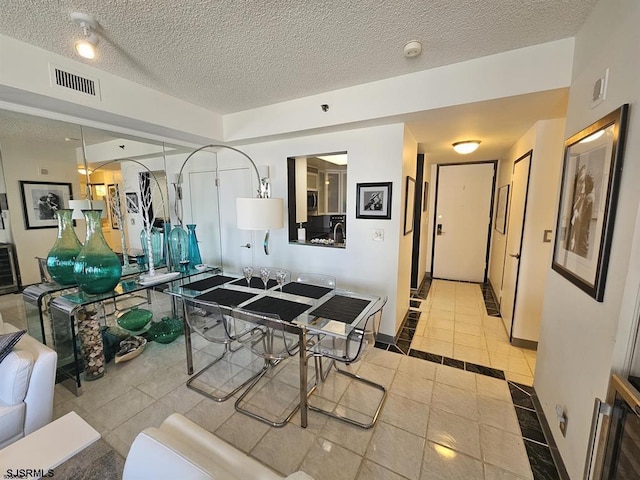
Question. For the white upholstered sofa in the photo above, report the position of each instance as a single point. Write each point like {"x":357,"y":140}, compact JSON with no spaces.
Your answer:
{"x":181,"y":449}
{"x":27,"y":380}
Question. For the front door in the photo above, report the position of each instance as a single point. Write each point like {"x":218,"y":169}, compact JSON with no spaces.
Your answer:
{"x":515,"y":230}
{"x":462,"y":221}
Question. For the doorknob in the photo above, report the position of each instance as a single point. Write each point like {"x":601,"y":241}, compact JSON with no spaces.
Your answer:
{"x":439,"y":229}
{"x":516,"y":256}
{"x":248,"y":245}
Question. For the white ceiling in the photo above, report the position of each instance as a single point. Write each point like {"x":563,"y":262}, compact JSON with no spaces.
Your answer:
{"x":234,"y":55}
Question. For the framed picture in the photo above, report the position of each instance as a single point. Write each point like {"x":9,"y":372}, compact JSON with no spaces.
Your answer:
{"x":501,"y":209}
{"x":113,"y":193}
{"x":373,"y":200}
{"x":40,"y":201}
{"x":425,"y":196}
{"x":409,"y":201}
{"x":586,"y":215}
{"x":132,"y":202}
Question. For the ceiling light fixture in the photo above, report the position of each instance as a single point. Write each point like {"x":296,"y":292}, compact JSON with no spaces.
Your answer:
{"x":592,"y":137}
{"x":86,"y":46}
{"x":466,"y":146}
{"x":412,"y":49}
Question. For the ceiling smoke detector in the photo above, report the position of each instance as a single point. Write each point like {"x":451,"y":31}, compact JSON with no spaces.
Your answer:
{"x":412,"y":49}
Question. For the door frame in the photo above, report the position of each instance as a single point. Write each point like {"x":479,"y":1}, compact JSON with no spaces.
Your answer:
{"x":524,"y":222}
{"x":417,"y":223}
{"x":490,"y":226}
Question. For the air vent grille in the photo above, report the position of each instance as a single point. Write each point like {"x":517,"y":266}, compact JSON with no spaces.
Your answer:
{"x":75,"y":82}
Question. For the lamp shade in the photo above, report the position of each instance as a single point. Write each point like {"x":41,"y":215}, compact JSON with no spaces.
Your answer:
{"x":79,"y":205}
{"x":259,"y":213}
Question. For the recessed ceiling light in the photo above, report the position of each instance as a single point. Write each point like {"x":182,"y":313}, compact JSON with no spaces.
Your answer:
{"x":466,"y":146}
{"x":412,"y":49}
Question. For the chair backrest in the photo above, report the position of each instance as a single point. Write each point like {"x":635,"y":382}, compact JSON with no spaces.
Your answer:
{"x":206,"y":319}
{"x":277,"y":339}
{"x":317,"y":279}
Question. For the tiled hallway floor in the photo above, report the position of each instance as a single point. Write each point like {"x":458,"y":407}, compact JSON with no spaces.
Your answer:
{"x":438,"y":422}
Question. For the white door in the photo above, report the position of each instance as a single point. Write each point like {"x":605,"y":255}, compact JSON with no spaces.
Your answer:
{"x":463,"y":217}
{"x":515,"y":230}
{"x":234,"y":183}
{"x":204,"y":212}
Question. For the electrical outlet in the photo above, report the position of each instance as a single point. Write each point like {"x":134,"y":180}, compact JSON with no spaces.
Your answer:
{"x":378,"y":235}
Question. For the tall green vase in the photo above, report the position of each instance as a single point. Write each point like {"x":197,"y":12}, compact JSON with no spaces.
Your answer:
{"x":194,"y":250}
{"x":62,"y":257}
{"x":97,"y":268}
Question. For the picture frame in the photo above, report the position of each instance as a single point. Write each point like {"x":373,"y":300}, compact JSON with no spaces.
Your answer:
{"x":113,"y":191}
{"x":133,"y":206}
{"x":501,"y":209}
{"x":588,"y":198}
{"x":40,"y":201}
{"x":409,"y":204}
{"x":373,"y":200}
{"x":425,"y":196}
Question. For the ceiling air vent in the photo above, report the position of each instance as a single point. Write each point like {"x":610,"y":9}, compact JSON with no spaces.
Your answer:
{"x":65,"y":79}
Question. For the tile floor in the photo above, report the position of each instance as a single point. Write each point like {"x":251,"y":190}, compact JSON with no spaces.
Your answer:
{"x":439,"y":422}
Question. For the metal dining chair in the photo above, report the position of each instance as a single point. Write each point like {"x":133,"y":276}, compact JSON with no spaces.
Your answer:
{"x":350,"y":350}
{"x":317,"y":279}
{"x":274,"y":340}
{"x":207,"y":320}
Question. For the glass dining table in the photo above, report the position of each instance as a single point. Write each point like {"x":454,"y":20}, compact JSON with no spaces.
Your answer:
{"x":311,"y":310}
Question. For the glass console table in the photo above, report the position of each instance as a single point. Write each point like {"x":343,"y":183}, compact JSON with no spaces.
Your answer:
{"x":74,"y":312}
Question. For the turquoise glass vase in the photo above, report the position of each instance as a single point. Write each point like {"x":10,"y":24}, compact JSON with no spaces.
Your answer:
{"x":156,"y":245}
{"x":194,"y":250}
{"x":179,"y":249}
{"x":97,"y":268}
{"x":166,"y":231}
{"x":62,"y":257}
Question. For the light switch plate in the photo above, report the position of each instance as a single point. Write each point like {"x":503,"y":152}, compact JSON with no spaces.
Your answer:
{"x":378,"y":235}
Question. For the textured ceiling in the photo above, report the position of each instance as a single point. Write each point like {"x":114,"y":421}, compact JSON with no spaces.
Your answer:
{"x":233,"y":55}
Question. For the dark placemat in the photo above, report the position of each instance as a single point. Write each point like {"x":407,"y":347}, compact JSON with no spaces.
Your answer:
{"x":226,"y":297}
{"x":285,"y":309}
{"x":305,"y":290}
{"x":256,"y":282}
{"x":207,"y":283}
{"x":342,"y":309}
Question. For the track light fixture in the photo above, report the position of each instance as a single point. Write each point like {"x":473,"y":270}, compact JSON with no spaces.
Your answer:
{"x":86,"y":46}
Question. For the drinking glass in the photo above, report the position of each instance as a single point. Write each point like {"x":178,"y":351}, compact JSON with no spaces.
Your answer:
{"x":248,"y":273}
{"x":265,"y":273}
{"x":281,"y":277}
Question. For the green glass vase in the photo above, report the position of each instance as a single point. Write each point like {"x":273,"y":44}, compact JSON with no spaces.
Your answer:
{"x":62,"y":257}
{"x":194,"y":250}
{"x":97,"y":268}
{"x":179,"y":249}
{"x":156,"y":245}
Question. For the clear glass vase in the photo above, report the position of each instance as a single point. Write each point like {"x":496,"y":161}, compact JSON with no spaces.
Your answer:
{"x":156,"y":245}
{"x":166,"y":231}
{"x":62,"y":257}
{"x":97,"y":269}
{"x":179,"y":249}
{"x":194,"y":250}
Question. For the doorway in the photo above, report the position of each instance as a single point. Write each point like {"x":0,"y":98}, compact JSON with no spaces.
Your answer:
{"x":462,"y":221}
{"x":515,"y":232}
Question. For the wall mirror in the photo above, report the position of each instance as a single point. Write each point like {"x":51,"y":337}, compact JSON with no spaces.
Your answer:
{"x":317,"y":187}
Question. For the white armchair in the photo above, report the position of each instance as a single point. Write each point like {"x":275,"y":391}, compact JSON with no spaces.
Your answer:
{"x":27,"y":380}
{"x":181,"y":449}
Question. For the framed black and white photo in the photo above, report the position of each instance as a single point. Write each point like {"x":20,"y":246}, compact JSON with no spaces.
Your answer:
{"x":373,"y":200}
{"x":41,"y":200}
{"x":409,"y":202}
{"x":132,"y":202}
{"x":501,"y":209}
{"x":586,"y":215}
{"x":113,"y":193}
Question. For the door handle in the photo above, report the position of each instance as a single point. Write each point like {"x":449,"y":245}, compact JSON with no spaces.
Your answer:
{"x":248,"y":245}
{"x":516,"y":256}
{"x":439,"y":229}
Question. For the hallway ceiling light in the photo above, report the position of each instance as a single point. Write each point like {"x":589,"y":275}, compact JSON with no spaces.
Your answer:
{"x":86,"y":46}
{"x":466,"y":146}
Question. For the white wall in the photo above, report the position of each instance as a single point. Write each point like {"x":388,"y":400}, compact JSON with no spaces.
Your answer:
{"x":582,"y":340}
{"x":377,"y":154}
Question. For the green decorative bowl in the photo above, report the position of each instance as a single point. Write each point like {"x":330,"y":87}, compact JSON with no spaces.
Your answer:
{"x":135,"y":319}
{"x":166,"y":330}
